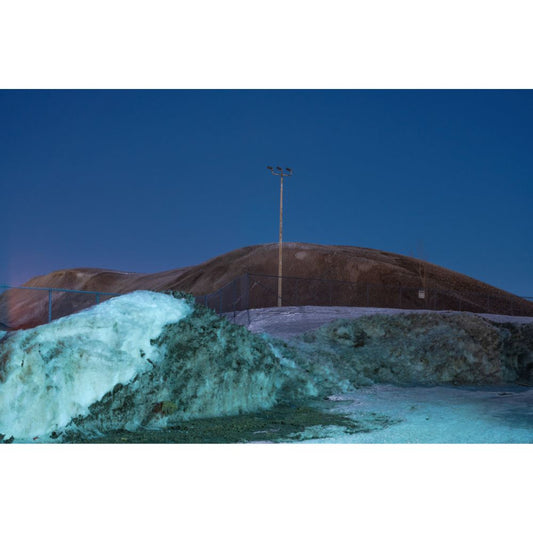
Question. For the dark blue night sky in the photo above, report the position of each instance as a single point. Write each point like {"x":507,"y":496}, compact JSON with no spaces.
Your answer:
{"x":154,"y":180}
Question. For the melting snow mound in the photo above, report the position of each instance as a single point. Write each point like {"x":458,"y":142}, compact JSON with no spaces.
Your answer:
{"x":144,"y":360}
{"x":54,"y":372}
{"x":150,"y":361}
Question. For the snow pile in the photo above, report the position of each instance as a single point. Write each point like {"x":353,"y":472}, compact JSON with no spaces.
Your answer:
{"x":288,"y":322}
{"x":152,"y":361}
{"x":54,"y":372}
{"x":412,"y":349}
{"x":211,"y":368}
{"x":140,"y":361}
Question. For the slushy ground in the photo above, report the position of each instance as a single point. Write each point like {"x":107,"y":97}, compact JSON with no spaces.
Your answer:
{"x":283,"y":423}
{"x":457,"y":415}
{"x":444,"y":414}
{"x":381,"y":414}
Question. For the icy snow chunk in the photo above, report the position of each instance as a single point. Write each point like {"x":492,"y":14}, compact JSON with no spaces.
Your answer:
{"x":211,"y":368}
{"x":54,"y":372}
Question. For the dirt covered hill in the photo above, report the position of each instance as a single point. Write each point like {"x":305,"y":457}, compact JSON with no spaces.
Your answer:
{"x":314,"y":274}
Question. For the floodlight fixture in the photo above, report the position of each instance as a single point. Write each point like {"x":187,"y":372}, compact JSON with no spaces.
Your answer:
{"x":278,"y":171}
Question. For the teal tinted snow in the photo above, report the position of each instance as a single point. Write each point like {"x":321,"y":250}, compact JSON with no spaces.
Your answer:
{"x":290,"y":322}
{"x":440,"y":414}
{"x":210,"y":368}
{"x":148,"y":361}
{"x":54,"y":372}
{"x":429,"y":348}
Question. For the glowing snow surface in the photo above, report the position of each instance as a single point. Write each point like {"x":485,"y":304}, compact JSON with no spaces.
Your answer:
{"x":54,"y":372}
{"x":489,"y":414}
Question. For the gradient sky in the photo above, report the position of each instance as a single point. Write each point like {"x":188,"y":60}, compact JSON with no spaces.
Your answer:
{"x":152,"y":180}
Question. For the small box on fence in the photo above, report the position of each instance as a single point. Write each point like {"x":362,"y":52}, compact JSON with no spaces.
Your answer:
{"x":421,"y":294}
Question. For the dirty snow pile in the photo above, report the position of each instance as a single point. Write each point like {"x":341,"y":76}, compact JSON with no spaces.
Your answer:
{"x":54,"y":372}
{"x":415,"y":349}
{"x":140,"y":360}
{"x":147,"y":360}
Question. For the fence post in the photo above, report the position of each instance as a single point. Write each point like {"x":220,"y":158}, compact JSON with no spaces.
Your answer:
{"x":49,"y":305}
{"x":234,"y":298}
{"x":367,"y":299}
{"x":246,"y":299}
{"x":247,"y":290}
{"x":400,"y":297}
{"x":97,"y":298}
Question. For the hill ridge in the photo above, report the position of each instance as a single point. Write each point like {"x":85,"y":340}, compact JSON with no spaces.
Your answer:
{"x":376,"y":268}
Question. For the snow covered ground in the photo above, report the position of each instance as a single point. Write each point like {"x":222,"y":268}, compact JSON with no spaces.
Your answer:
{"x":287,"y":322}
{"x":456,"y":415}
{"x":442,"y":414}
{"x":147,"y":361}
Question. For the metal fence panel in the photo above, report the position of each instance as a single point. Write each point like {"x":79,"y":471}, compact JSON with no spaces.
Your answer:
{"x":251,"y":291}
{"x":43,"y":304}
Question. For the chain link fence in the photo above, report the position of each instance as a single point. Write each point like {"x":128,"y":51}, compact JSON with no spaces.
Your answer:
{"x":253,"y":291}
{"x":44,"y":304}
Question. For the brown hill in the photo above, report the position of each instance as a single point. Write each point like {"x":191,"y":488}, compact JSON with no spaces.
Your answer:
{"x":313,"y":275}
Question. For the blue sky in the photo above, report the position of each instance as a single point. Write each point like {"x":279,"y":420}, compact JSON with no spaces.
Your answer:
{"x":153,"y":180}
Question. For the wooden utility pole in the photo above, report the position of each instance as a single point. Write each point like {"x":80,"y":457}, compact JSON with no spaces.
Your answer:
{"x":282,"y":173}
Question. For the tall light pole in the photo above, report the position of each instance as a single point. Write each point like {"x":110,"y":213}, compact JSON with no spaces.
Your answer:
{"x":278,"y":171}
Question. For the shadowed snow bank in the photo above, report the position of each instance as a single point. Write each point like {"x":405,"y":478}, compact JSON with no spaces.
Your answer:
{"x":288,"y":322}
{"x":424,"y":348}
{"x":210,"y":368}
{"x":143,"y":360}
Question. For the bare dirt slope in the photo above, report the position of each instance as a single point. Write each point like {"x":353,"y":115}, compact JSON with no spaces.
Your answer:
{"x":380,"y":275}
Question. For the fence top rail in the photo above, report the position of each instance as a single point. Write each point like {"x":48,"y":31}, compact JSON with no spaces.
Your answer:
{"x":60,"y":290}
